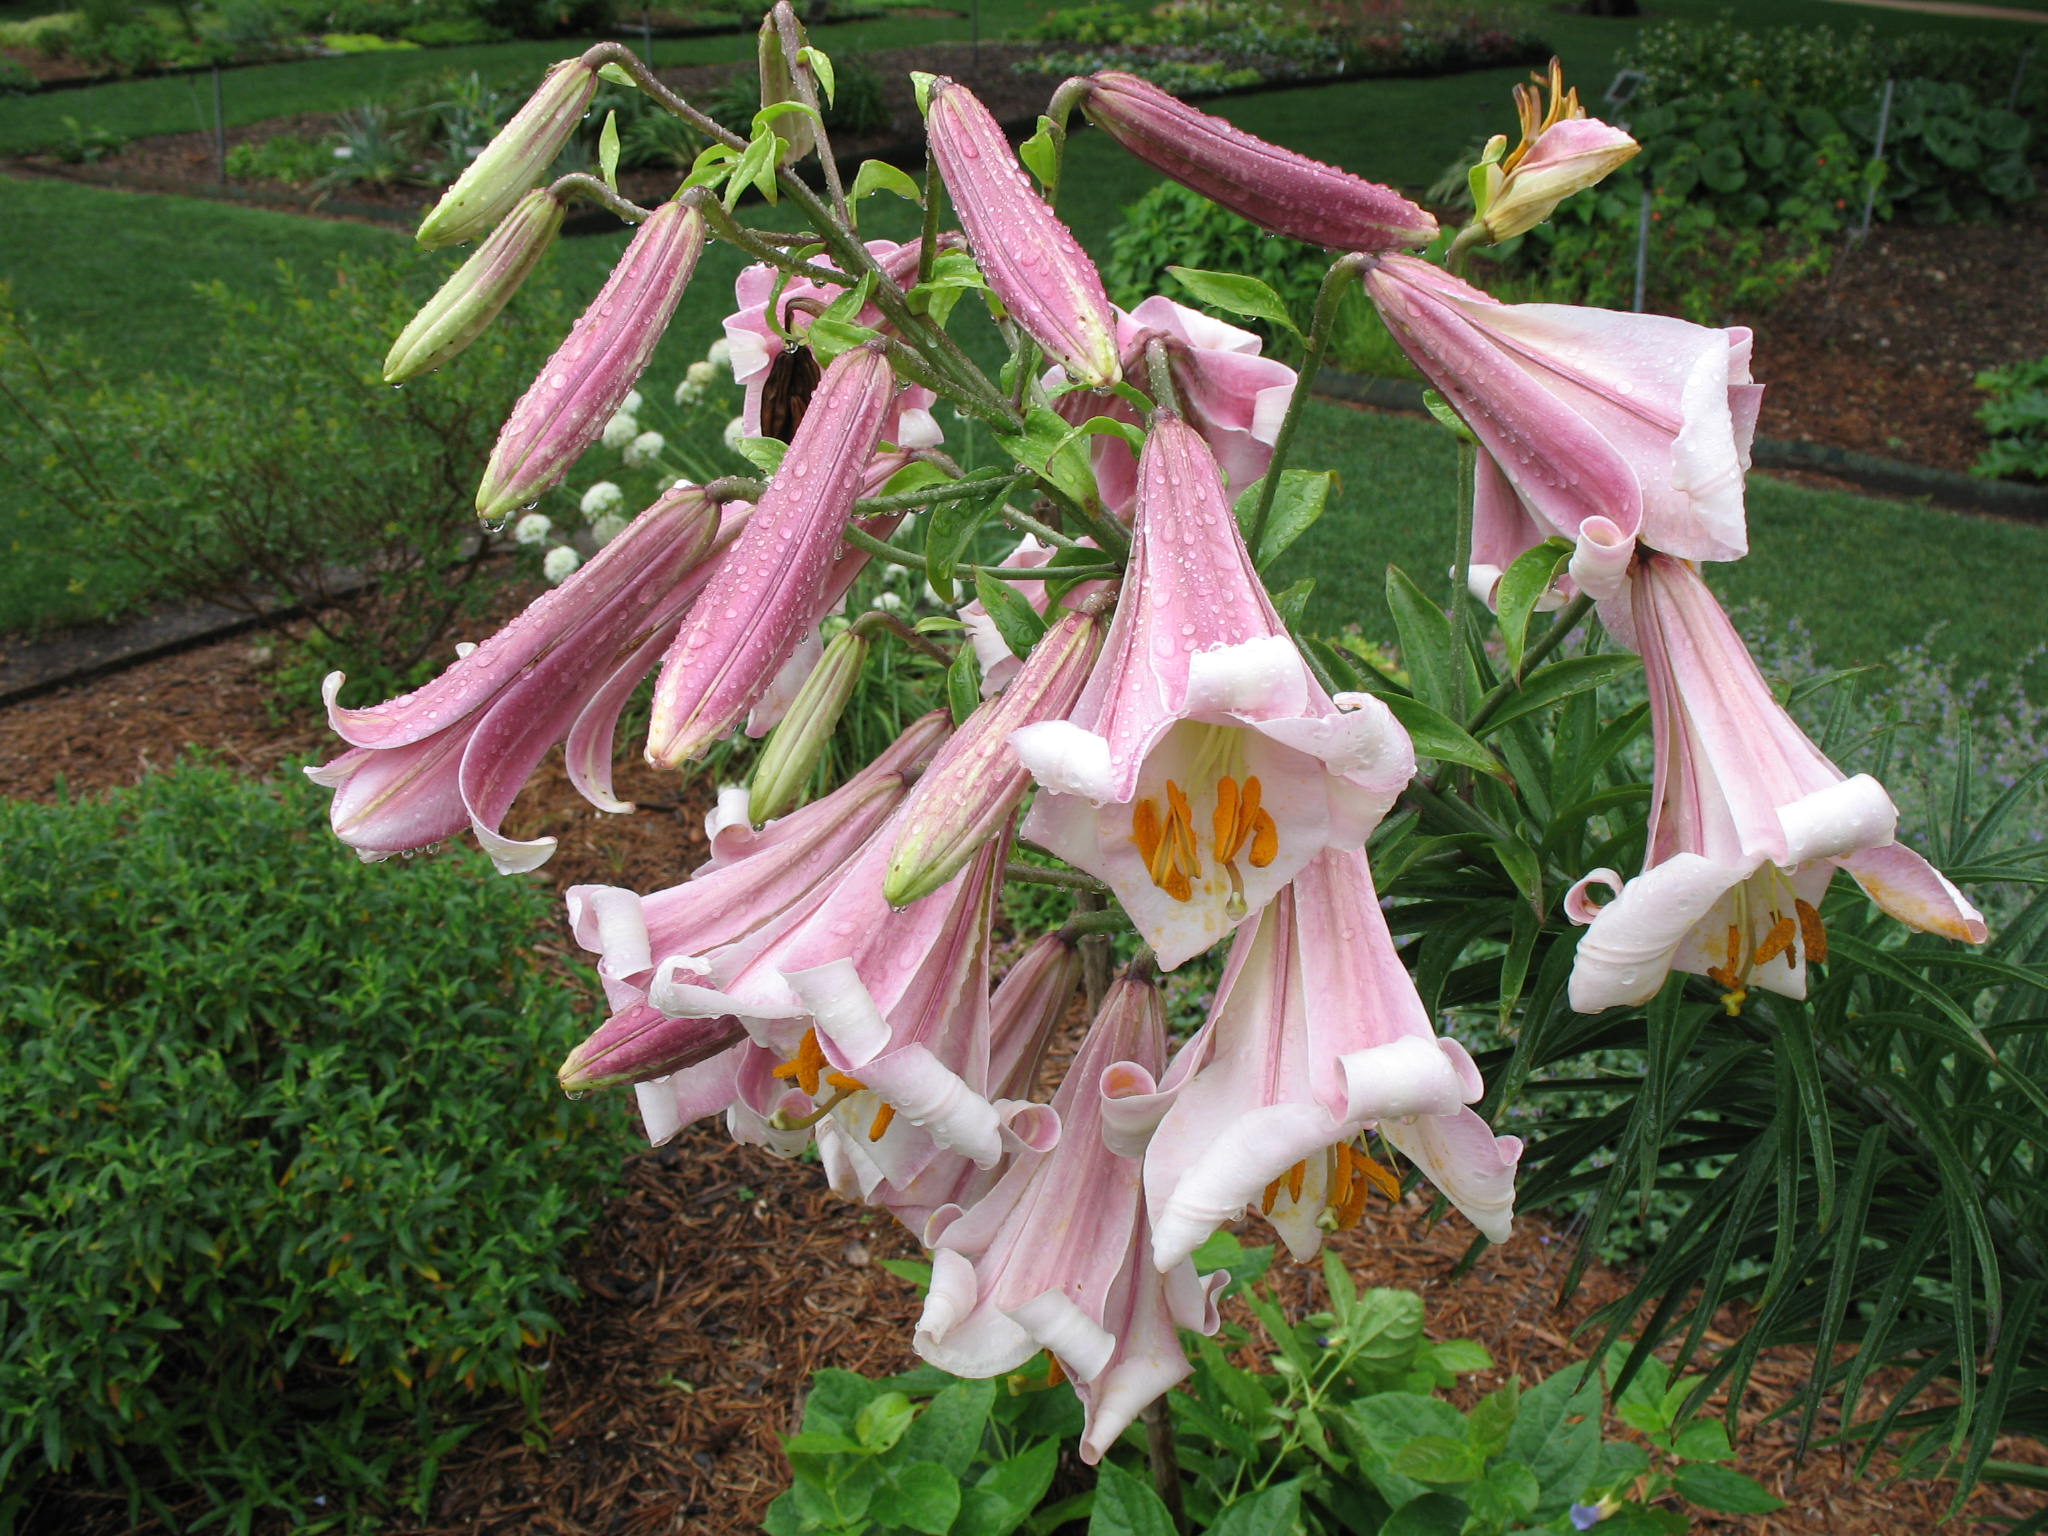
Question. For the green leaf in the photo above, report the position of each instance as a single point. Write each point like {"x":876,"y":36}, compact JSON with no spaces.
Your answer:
{"x":1436,"y":735}
{"x":823,"y":1443}
{"x":755,"y":168}
{"x":1048,"y":447}
{"x":916,"y":1272}
{"x":764,"y":453}
{"x":608,"y":150}
{"x":882,"y":1422}
{"x":953,"y":274}
{"x":1725,"y":1491}
{"x":925,"y":1498}
{"x":963,"y":697}
{"x":1557,"y":1434}
{"x":1425,"y":636}
{"x":712,"y":164}
{"x":1704,"y":1440}
{"x":1297,"y":503}
{"x":949,"y":1430}
{"x":1040,"y":154}
{"x":1236,"y":294}
{"x":1015,"y":619}
{"x":1456,"y":1357}
{"x":1269,"y":1512}
{"x":1291,"y":601}
{"x":880,"y":176}
{"x":1558,"y":681}
{"x":1434,"y":1514}
{"x":1518,"y":861}
{"x":1493,"y":1417}
{"x":828,"y":338}
{"x":821,"y":66}
{"x":1506,"y":1496}
{"x":952,"y":524}
{"x":1438,"y":1459}
{"x":1004,"y":1496}
{"x":616,"y":73}
{"x":1447,"y":418}
{"x":1522,"y":586}
{"x":1124,"y":1506}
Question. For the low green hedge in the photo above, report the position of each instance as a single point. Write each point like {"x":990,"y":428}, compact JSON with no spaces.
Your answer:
{"x":282,"y":1167}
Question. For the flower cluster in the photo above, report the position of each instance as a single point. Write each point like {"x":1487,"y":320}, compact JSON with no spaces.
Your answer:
{"x":1123,"y":693}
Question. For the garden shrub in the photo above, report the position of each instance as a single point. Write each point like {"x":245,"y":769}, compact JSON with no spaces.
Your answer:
{"x":283,"y":157}
{"x":2016,"y":416}
{"x":276,"y":1182}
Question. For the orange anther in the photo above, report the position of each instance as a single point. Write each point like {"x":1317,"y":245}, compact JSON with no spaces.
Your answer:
{"x":883,"y":1116}
{"x":1813,"y":935}
{"x":1295,"y":1177}
{"x":1734,"y":946}
{"x":1226,"y":819}
{"x":841,"y":1081}
{"x":1272,"y":1194}
{"x":1265,"y":840}
{"x":805,"y":1066}
{"x":1145,"y":831}
{"x":1778,"y":942}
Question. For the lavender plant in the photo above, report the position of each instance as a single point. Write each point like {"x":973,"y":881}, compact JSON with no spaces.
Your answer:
{"x":1123,"y":698}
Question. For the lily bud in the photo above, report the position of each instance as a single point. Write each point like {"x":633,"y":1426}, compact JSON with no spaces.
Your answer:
{"x":513,"y":161}
{"x":799,"y":740}
{"x":470,"y":300}
{"x":642,"y":1043}
{"x":1032,"y":261}
{"x":784,"y":79}
{"x":975,"y":782}
{"x":765,"y":595}
{"x":1276,"y":188}
{"x":595,"y":368}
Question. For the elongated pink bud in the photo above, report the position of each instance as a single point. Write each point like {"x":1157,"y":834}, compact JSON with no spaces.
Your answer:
{"x":1276,"y":188}
{"x":974,"y":784}
{"x":513,"y":161}
{"x":641,"y":1043}
{"x":765,"y":593}
{"x":470,"y":300}
{"x":564,"y":410}
{"x":1032,"y":261}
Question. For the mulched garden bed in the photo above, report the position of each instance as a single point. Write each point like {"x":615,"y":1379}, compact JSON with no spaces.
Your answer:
{"x":720,"y":1278}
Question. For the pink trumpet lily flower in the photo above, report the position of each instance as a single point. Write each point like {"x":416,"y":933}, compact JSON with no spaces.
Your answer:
{"x":756,"y":344}
{"x":765,"y":598}
{"x":1642,"y":420}
{"x":1229,"y":394}
{"x":1053,"y":1257}
{"x":1203,"y":767}
{"x":456,"y":752}
{"x":1316,"y":1037}
{"x":724,"y":902}
{"x":1748,"y":824}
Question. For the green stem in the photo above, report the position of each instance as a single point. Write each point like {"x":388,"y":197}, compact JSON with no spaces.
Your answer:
{"x":1024,"y":522}
{"x":1461,"y":573}
{"x":661,"y":95}
{"x":928,"y":239}
{"x":1038,"y":874}
{"x":1567,"y":620}
{"x":1341,"y":272}
{"x":577,"y":184}
{"x":876,"y":618}
{"x":932,"y":495}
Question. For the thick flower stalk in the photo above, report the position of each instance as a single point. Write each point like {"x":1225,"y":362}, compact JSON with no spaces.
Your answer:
{"x":764,"y":599}
{"x":1203,"y":766}
{"x":1053,"y":1257}
{"x":594,"y":369}
{"x":725,"y":902}
{"x":1748,"y":823}
{"x":1317,"y":1037}
{"x":514,"y":160}
{"x":1275,"y":188}
{"x":1641,"y":420}
{"x":456,"y":752}
{"x":482,"y":286}
{"x":976,"y":783}
{"x":1032,"y":261}
{"x":1234,"y":398}
{"x":776,"y":382}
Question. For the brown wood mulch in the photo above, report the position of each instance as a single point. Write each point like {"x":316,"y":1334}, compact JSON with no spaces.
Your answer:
{"x":720,"y":1278}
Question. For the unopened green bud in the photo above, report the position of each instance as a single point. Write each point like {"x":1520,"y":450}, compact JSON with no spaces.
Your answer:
{"x":470,"y":300}
{"x":785,"y":78}
{"x":513,"y":162}
{"x":800,"y":738}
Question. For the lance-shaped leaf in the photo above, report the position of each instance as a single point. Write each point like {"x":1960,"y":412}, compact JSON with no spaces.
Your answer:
{"x":471,"y":299}
{"x":1031,"y":259}
{"x":514,"y":161}
{"x":764,"y":598}
{"x":976,"y":782}
{"x":596,"y":367}
{"x":1276,"y":188}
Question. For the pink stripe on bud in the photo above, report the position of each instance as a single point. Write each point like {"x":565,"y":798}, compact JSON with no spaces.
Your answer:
{"x":766,"y":591}
{"x":513,"y":161}
{"x":1287,"y":193}
{"x":975,"y":783}
{"x":1032,"y":261}
{"x":594,"y":369}
{"x":470,"y":300}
